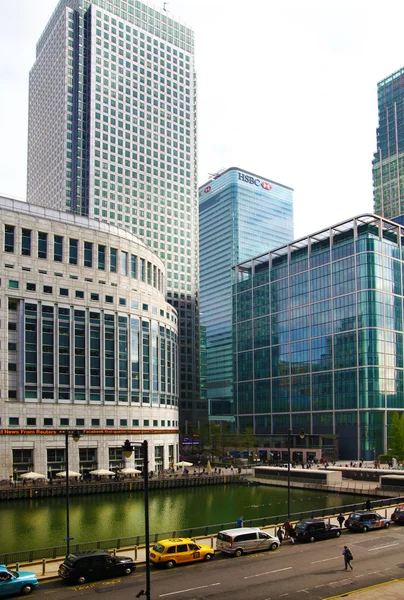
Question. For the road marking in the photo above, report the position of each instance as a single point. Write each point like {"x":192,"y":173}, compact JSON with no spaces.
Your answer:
{"x":267,"y":573}
{"x":357,"y":576}
{"x":313,"y":562}
{"x":188,"y":590}
{"x":381,"y":547}
{"x":306,"y":591}
{"x":322,"y":585}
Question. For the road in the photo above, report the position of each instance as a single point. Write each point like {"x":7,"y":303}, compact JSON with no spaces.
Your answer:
{"x":309,"y":571}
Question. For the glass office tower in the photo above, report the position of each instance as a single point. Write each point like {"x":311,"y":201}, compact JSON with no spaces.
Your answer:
{"x":318,"y":336}
{"x":112,"y":136}
{"x":388,"y":161}
{"x":240,"y":215}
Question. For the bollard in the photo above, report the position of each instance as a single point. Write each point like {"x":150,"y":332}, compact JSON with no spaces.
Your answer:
{"x":43,"y":566}
{"x":114,"y":551}
{"x":17,"y":566}
{"x":136,"y":552}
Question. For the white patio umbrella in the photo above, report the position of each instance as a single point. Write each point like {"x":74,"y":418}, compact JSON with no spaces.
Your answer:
{"x":183,"y":463}
{"x":71,"y":474}
{"x":208,"y":467}
{"x":32,"y":475}
{"x":129,"y":471}
{"x":102,"y":472}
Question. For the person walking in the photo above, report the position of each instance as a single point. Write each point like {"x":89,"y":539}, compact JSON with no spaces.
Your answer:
{"x":292,"y":534}
{"x":368,"y":504}
{"x":347,"y":557}
{"x":341,"y":519}
{"x":239,"y":522}
{"x":279,"y":534}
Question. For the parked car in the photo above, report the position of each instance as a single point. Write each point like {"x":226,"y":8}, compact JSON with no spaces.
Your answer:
{"x":21,"y":583}
{"x":313,"y":530}
{"x":94,"y":564}
{"x":397,"y":515}
{"x":364,"y":521}
{"x":246,"y":539}
{"x":175,"y":551}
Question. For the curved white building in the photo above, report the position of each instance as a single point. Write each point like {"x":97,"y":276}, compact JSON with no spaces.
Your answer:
{"x":87,"y":342}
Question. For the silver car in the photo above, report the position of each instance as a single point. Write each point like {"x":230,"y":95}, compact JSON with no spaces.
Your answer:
{"x":245,"y":539}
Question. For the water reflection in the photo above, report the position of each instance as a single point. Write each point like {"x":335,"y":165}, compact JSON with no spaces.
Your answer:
{"x":42,"y":523}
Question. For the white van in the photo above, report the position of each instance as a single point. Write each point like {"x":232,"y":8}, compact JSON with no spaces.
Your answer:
{"x":245,"y":539}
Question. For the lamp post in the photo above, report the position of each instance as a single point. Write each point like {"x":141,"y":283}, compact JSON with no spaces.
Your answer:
{"x":76,"y":436}
{"x":128,"y":448}
{"x":302,"y":436}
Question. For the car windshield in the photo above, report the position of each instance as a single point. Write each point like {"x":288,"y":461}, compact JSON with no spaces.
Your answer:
{"x":399,"y":510}
{"x":223,"y":537}
{"x":158,"y":548}
{"x":355,"y":516}
{"x":301,"y":526}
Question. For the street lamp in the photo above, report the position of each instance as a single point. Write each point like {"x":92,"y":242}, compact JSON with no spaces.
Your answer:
{"x":302,"y":436}
{"x":128,"y":448}
{"x":76,"y":436}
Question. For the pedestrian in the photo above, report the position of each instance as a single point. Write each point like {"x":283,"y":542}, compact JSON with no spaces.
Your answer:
{"x":11,"y":481}
{"x":239,"y":522}
{"x":368,"y":504}
{"x":287,"y":526}
{"x":347,"y":557}
{"x":341,"y":519}
{"x":279,"y":533}
{"x":292,"y":534}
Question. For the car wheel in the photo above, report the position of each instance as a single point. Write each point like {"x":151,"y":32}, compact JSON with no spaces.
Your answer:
{"x":365,"y":529}
{"x":170,"y":564}
{"x":80,"y":580}
{"x":127,"y":571}
{"x":386,"y":525}
{"x":208,"y":557}
{"x":238,"y":552}
{"x":27,"y":589}
{"x":337,"y":534}
{"x":312,"y":539}
{"x":273,"y":546}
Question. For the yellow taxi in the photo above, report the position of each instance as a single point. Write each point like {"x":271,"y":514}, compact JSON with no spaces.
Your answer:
{"x":175,"y":551}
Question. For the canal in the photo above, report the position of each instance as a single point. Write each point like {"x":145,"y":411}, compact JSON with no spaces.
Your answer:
{"x":41,"y":523}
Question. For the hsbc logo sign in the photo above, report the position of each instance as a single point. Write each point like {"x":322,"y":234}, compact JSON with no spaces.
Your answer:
{"x":207,"y":189}
{"x":254,"y":181}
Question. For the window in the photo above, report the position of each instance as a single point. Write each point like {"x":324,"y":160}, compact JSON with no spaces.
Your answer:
{"x":42,"y":244}
{"x":135,"y":422}
{"x":13,"y":421}
{"x":64,"y":292}
{"x":109,"y":299}
{"x":12,"y":346}
{"x":79,"y":294}
{"x":31,"y":421}
{"x":58,"y":248}
{"x":79,"y":422}
{"x":112,"y":259}
{"x":124,"y":263}
{"x":47,"y":289}
{"x":101,"y":258}
{"x":95,"y":422}
{"x":122,"y":302}
{"x":109,"y":422}
{"x":88,"y":254}
{"x":9,"y":231}
{"x":12,"y":367}
{"x":73,"y":251}
{"x":146,"y":423}
{"x":31,"y":287}
{"x":13,"y":284}
{"x":94,"y":296}
{"x":64,"y":422}
{"x":48,"y":421}
{"x":123,"y":422}
{"x":155,"y":423}
{"x":26,"y":242}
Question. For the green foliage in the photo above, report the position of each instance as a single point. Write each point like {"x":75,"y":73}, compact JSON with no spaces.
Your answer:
{"x":396,"y":437}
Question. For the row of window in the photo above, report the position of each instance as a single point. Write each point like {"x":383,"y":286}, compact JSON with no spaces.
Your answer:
{"x":65,"y":422}
{"x":87,"y":254}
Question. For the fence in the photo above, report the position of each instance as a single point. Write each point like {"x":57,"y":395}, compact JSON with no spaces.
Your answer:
{"x":205,"y":531}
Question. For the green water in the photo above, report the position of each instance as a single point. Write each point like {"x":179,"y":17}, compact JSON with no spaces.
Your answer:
{"x":25,"y":525}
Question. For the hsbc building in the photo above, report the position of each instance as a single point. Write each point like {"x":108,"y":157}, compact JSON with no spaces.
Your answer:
{"x":241,"y":215}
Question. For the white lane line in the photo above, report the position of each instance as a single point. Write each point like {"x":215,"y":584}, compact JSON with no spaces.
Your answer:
{"x":313,"y":562}
{"x":267,"y":573}
{"x":357,"y":576}
{"x":306,"y":591}
{"x":322,"y":585}
{"x":381,"y":547}
{"x":188,"y":590}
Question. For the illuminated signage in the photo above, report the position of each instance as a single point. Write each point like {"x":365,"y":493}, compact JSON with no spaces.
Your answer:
{"x":254,"y":181}
{"x":85,"y":431}
{"x":207,"y":189}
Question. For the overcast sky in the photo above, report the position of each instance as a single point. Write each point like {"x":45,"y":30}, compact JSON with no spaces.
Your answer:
{"x":286,"y":89}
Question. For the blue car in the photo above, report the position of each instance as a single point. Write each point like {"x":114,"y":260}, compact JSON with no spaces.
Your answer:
{"x":11,"y":582}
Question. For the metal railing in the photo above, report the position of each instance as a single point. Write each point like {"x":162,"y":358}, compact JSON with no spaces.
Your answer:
{"x":27,"y":556}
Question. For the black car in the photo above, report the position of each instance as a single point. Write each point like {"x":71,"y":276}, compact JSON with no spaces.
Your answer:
{"x":398,"y":515}
{"x":312,"y":530}
{"x":94,"y":564}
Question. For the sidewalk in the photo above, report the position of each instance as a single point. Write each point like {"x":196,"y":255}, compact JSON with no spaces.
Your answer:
{"x":391,"y":590}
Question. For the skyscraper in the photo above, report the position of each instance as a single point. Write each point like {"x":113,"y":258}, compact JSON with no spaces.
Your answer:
{"x":112,"y":136}
{"x":240,"y":215}
{"x":388,"y":161}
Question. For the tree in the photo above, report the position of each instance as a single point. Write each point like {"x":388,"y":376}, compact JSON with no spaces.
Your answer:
{"x":396,"y":440}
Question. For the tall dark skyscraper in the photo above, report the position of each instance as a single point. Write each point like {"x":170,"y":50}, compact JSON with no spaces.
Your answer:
{"x":388,"y":161}
{"x":112,"y":136}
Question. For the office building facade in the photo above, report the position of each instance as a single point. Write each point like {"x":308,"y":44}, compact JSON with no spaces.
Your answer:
{"x":388,"y":160}
{"x":319,"y":336}
{"x":112,"y":136}
{"x":87,"y":342}
{"x":240,"y":215}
